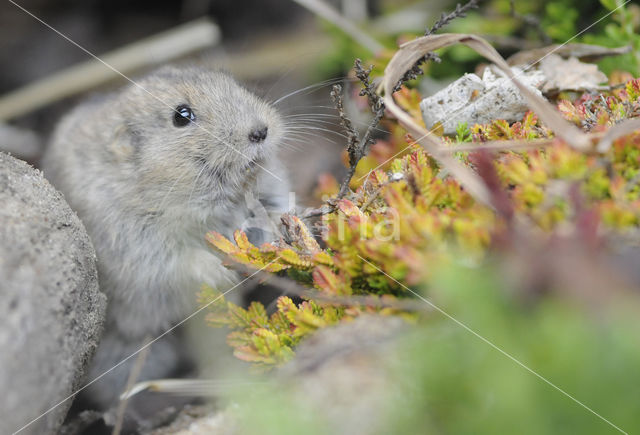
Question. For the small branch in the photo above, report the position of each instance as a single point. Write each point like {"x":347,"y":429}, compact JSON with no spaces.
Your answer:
{"x":317,"y":212}
{"x":446,"y":19}
{"x":368,"y":90}
{"x":352,"y":135}
{"x":372,"y":196}
{"x":416,"y":70}
{"x":291,"y":287}
{"x":358,"y":149}
{"x":133,"y":377}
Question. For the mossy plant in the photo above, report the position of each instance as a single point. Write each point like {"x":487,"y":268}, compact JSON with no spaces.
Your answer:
{"x":406,"y":214}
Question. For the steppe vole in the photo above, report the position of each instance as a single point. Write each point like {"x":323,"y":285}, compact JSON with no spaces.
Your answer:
{"x":150,"y":170}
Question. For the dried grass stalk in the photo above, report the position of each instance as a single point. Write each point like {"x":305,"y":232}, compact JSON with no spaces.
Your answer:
{"x":412,"y":51}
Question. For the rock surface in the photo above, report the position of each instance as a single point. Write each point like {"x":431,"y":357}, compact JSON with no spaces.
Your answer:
{"x":476,"y":100}
{"x":479,"y":101}
{"x":51,"y":310}
{"x":343,"y":373}
{"x":340,"y":372}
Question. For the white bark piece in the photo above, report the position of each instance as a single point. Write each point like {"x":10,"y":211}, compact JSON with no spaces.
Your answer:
{"x":474,"y":100}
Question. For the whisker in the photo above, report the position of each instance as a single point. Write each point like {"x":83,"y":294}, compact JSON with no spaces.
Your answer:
{"x":297,"y":115}
{"x":312,"y":87}
{"x":333,"y":123}
{"x":303,"y":127}
{"x":307,"y":132}
{"x":313,"y":106}
{"x":290,"y":146}
{"x":319,"y":121}
{"x":300,"y":136}
{"x":282,"y":77}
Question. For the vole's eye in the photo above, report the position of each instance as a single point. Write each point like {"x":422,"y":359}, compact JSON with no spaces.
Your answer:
{"x":183,"y":115}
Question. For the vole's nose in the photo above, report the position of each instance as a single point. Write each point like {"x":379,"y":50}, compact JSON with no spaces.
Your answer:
{"x":259,"y":134}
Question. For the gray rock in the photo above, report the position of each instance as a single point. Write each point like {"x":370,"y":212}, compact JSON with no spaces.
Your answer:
{"x":479,"y":101}
{"x":455,"y":97}
{"x":51,"y":310}
{"x":342,"y":373}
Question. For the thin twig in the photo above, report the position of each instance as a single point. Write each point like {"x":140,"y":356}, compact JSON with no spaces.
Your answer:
{"x":352,"y":134}
{"x":319,"y":211}
{"x":416,"y":70}
{"x":357,"y":149}
{"x":446,"y":19}
{"x":293,"y":288}
{"x":372,"y":196}
{"x":133,"y":377}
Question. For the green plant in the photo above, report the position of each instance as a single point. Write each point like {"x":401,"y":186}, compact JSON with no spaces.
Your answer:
{"x":528,"y":315}
{"x":623,"y":29}
{"x":409,"y":215}
{"x":268,"y":340}
{"x":463,"y":134}
{"x":447,"y":380}
{"x":611,"y":23}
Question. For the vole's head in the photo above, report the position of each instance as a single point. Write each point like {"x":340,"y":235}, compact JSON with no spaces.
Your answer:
{"x":196,"y":132}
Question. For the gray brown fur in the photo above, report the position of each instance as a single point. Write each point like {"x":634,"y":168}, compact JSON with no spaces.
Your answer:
{"x":148,"y":192}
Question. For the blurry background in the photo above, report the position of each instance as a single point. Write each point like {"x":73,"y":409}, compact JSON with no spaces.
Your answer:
{"x":273,"y":46}
{"x":278,"y":47}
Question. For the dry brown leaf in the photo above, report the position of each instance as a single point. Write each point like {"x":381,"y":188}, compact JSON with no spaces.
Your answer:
{"x":409,"y":53}
{"x":584,"y":52}
{"x":407,"y":56}
{"x":504,"y":145}
{"x":627,"y":126}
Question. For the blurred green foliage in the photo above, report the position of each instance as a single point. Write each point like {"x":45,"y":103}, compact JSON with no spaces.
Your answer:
{"x":610,"y":23}
{"x":623,"y":29}
{"x":593,"y":357}
{"x":448,"y":380}
{"x":532,"y":352}
{"x":406,"y":224}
